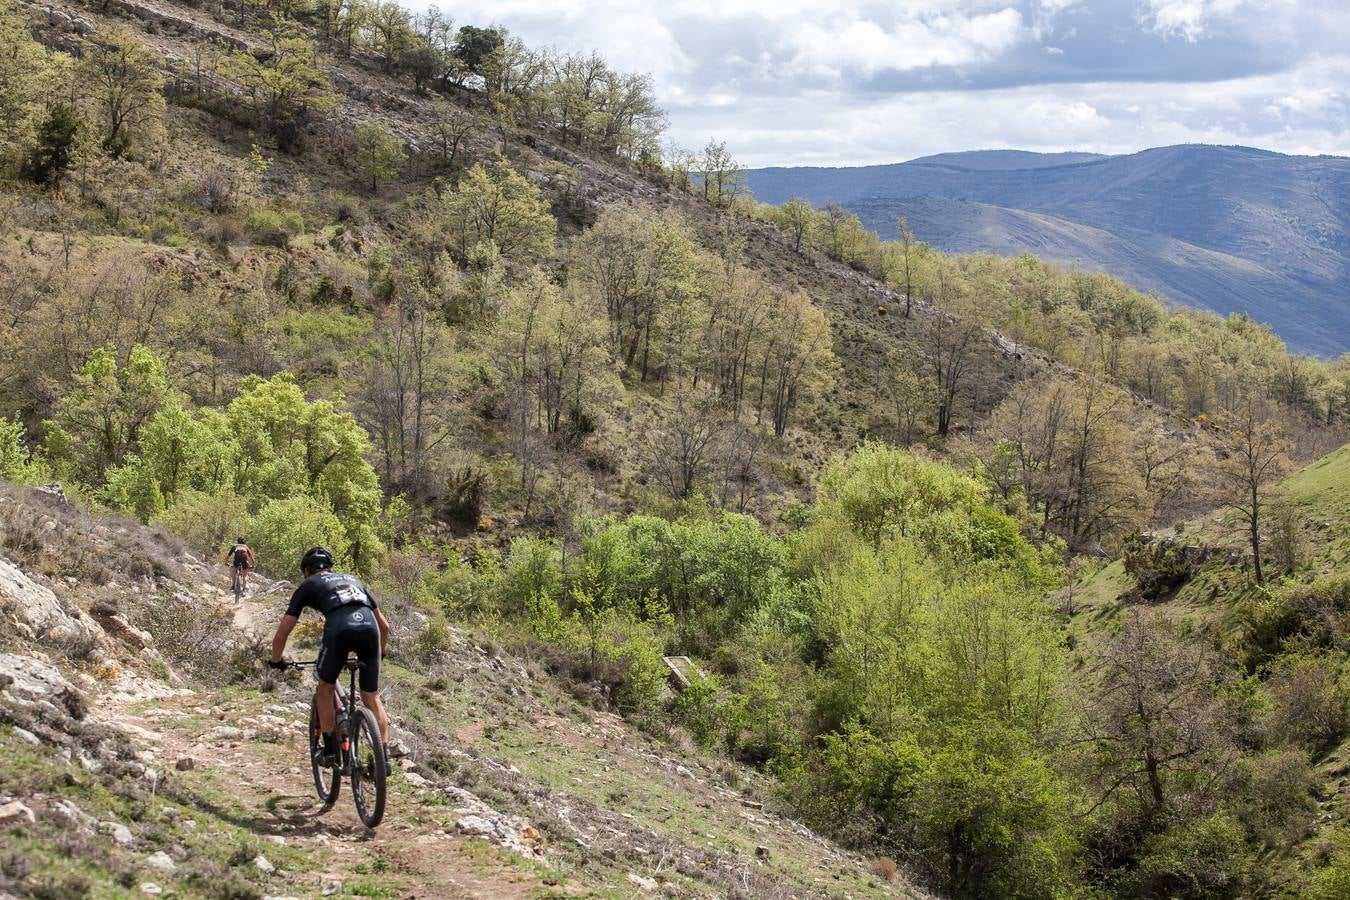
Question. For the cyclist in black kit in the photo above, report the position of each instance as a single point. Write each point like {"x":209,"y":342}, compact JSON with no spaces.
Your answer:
{"x":353,"y":623}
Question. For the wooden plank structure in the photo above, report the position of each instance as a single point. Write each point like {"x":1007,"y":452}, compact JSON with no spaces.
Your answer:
{"x":682,"y":671}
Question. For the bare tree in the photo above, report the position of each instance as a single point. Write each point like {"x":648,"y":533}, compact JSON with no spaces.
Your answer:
{"x":723,"y":177}
{"x":1155,"y":722}
{"x":684,"y":446}
{"x":1253,"y":454}
{"x":950,"y":341}
{"x":404,"y":402}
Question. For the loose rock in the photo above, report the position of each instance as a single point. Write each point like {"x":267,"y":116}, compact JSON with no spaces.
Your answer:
{"x":120,"y":833}
{"x":161,"y":860}
{"x":14,"y":814}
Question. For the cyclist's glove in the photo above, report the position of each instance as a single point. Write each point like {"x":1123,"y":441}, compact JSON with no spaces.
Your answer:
{"x":279,"y":664}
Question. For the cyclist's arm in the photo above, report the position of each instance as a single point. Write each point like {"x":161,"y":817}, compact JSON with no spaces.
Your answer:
{"x":252,"y":560}
{"x":384,"y":630}
{"x":283,"y":634}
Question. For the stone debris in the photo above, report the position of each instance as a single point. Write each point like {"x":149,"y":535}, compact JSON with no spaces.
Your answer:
{"x":38,"y":613}
{"x":185,"y":764}
{"x":73,"y":814}
{"x":263,"y":865}
{"x":149,"y":887}
{"x":646,"y":884}
{"x":162,"y":861}
{"x":119,"y":833}
{"x":14,"y":814}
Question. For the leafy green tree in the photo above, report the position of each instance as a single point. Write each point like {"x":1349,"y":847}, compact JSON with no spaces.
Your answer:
{"x":55,"y":145}
{"x":477,"y":48}
{"x":283,"y":529}
{"x":98,"y":422}
{"x":290,"y":447}
{"x":723,"y":178}
{"x":501,"y":206}
{"x":796,"y":218}
{"x":123,"y":77}
{"x":285,"y":84}
{"x":176,"y":451}
{"x":379,"y":153}
{"x":17,"y":463}
{"x":23,"y":66}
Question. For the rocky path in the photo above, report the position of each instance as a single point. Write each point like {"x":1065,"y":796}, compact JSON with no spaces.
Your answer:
{"x":250,"y":749}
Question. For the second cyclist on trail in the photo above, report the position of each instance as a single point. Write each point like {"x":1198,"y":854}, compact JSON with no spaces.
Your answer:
{"x":241,"y":558}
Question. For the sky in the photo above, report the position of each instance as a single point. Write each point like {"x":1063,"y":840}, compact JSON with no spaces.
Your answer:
{"x":791,"y":82}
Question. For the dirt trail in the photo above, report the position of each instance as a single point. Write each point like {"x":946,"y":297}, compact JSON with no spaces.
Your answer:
{"x":249,"y":748}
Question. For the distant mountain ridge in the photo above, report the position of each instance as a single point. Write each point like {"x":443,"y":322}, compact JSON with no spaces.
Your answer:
{"x":1231,"y":229}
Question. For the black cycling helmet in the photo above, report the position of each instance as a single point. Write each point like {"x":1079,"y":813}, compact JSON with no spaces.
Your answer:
{"x":316,"y":558}
{"x":240,"y":541}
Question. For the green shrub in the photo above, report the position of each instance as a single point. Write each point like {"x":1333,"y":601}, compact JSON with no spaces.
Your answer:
{"x":434,"y":638}
{"x":701,"y":709}
{"x":1159,"y":568}
{"x":283,"y":530}
{"x":1202,"y":858}
{"x":642,"y":693}
{"x":16,"y":463}
{"x":275,"y":227}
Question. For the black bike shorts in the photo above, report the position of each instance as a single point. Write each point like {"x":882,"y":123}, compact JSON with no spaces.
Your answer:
{"x":351,"y":630}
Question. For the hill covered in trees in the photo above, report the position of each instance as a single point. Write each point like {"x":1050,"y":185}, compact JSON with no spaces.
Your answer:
{"x":1228,"y":229}
{"x":342,"y":274}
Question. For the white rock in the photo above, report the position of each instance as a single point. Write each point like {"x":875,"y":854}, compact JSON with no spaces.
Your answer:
{"x":476,"y":825}
{"x":263,"y":865}
{"x":73,"y":814}
{"x":14,"y":814}
{"x":415,"y":780}
{"x":120,"y":833}
{"x":27,"y":736}
{"x":40,"y":612}
{"x":647,"y":884}
{"x":275,"y":839}
{"x":33,"y":678}
{"x":162,"y":861}
{"x":331,"y":888}
{"x":149,"y":887}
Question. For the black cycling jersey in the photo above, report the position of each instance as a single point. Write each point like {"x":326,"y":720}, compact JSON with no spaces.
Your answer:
{"x":327,"y":592}
{"x":349,"y":627}
{"x":241,"y":555}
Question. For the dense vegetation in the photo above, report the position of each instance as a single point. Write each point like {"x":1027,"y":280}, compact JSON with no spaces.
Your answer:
{"x":240,"y":301}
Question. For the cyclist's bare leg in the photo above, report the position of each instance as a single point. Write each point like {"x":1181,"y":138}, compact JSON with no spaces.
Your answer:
{"x":324,"y":696}
{"x":371,"y":699}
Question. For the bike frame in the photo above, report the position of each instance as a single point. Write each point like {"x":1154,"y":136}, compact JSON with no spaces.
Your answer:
{"x":344,"y":709}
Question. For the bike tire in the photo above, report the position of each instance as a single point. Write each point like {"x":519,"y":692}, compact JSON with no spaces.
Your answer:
{"x":327,"y":781}
{"x":368,"y":773}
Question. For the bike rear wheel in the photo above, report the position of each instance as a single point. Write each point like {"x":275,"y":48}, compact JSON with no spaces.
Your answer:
{"x":368,"y":772}
{"x":327,"y":781}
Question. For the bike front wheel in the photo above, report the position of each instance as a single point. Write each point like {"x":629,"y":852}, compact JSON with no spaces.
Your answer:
{"x":368,"y":769}
{"x":326,"y":778}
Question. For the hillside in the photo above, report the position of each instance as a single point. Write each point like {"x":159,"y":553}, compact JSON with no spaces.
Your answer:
{"x":1221,"y":228}
{"x":340,"y":274}
{"x":149,"y":752}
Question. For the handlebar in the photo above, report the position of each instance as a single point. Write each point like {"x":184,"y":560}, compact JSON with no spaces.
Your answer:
{"x":353,"y":664}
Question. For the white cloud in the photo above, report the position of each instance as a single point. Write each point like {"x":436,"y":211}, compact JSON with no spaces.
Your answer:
{"x":862,"y":81}
{"x":1187,"y":18}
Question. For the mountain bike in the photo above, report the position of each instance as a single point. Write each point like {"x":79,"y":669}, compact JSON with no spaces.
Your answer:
{"x":360,"y":752}
{"x":240,"y":574}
